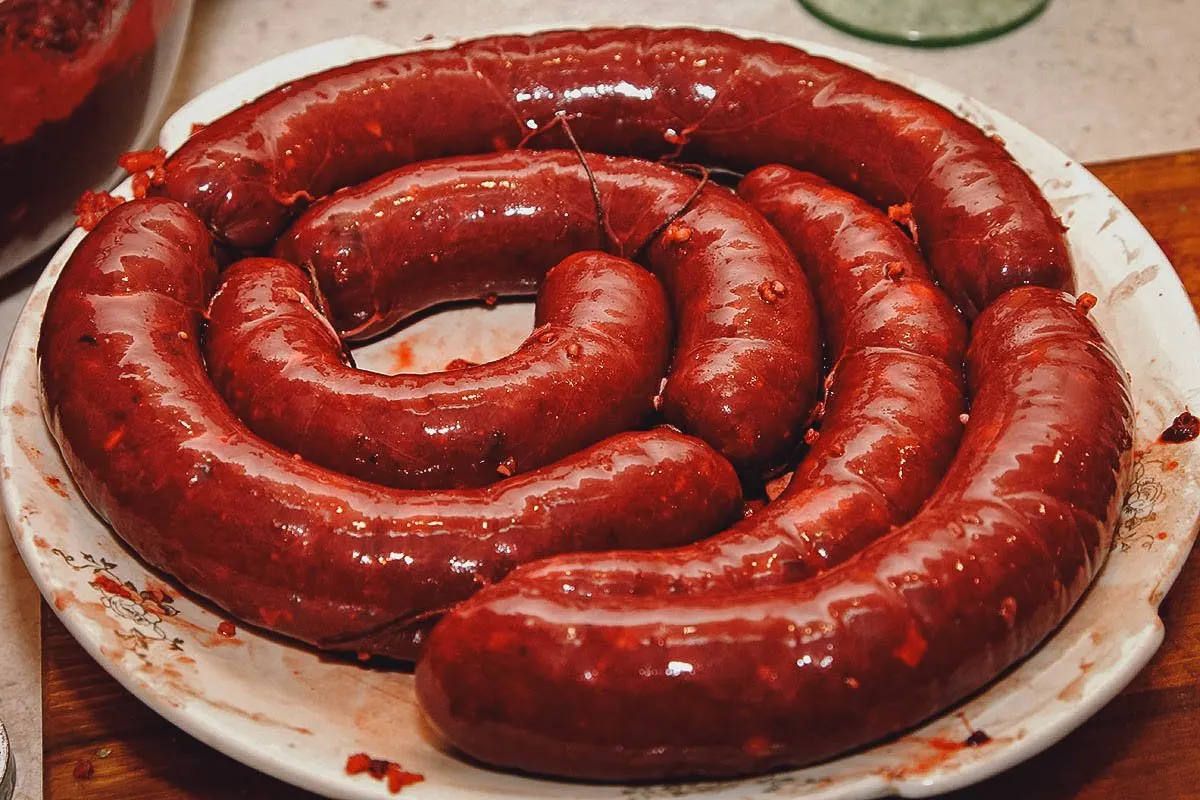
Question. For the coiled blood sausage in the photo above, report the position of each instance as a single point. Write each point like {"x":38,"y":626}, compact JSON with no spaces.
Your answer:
{"x":696,"y":95}
{"x":894,"y":576}
{"x":273,"y":539}
{"x":891,"y":419}
{"x":536,"y":677}
{"x":591,"y":369}
{"x":747,"y":349}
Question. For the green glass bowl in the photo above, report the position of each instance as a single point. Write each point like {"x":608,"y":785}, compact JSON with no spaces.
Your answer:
{"x":925,"y":23}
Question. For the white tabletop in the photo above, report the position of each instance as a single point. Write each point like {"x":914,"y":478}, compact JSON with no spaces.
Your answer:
{"x":1102,"y":79}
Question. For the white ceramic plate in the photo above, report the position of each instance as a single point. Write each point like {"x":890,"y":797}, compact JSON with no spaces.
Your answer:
{"x":283,"y":710}
{"x":8,"y":767}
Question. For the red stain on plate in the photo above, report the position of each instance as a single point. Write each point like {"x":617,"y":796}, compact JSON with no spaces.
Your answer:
{"x":32,"y":453}
{"x":402,"y":357}
{"x":63,"y":599}
{"x":252,"y":716}
{"x":207,"y":637}
{"x":58,"y":485}
{"x":112,"y":586}
{"x":940,"y":751}
{"x":935,"y":753}
{"x":1074,"y":690}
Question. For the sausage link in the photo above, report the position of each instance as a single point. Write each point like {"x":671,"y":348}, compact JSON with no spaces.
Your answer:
{"x":591,"y":369}
{"x":892,"y":413}
{"x":702,"y":95}
{"x":282,"y":543}
{"x":723,"y":684}
{"x":747,"y":356}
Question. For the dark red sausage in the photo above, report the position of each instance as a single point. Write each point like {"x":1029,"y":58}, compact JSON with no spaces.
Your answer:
{"x":282,"y":543}
{"x":892,"y":412}
{"x":874,"y":289}
{"x":590,"y":369}
{"x":706,"y":95}
{"x":747,"y":349}
{"x":535,"y":677}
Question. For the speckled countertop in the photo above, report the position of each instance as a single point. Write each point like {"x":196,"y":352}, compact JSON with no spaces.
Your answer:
{"x":1102,"y":79}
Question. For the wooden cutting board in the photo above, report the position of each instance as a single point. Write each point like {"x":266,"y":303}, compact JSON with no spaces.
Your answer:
{"x":1145,"y":743}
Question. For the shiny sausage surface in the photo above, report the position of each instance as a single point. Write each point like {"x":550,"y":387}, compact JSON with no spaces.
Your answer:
{"x":282,"y":543}
{"x":768,"y":646}
{"x":746,"y":364}
{"x":891,"y":419}
{"x":696,"y":95}
{"x":535,"y":677}
{"x":590,"y":369}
